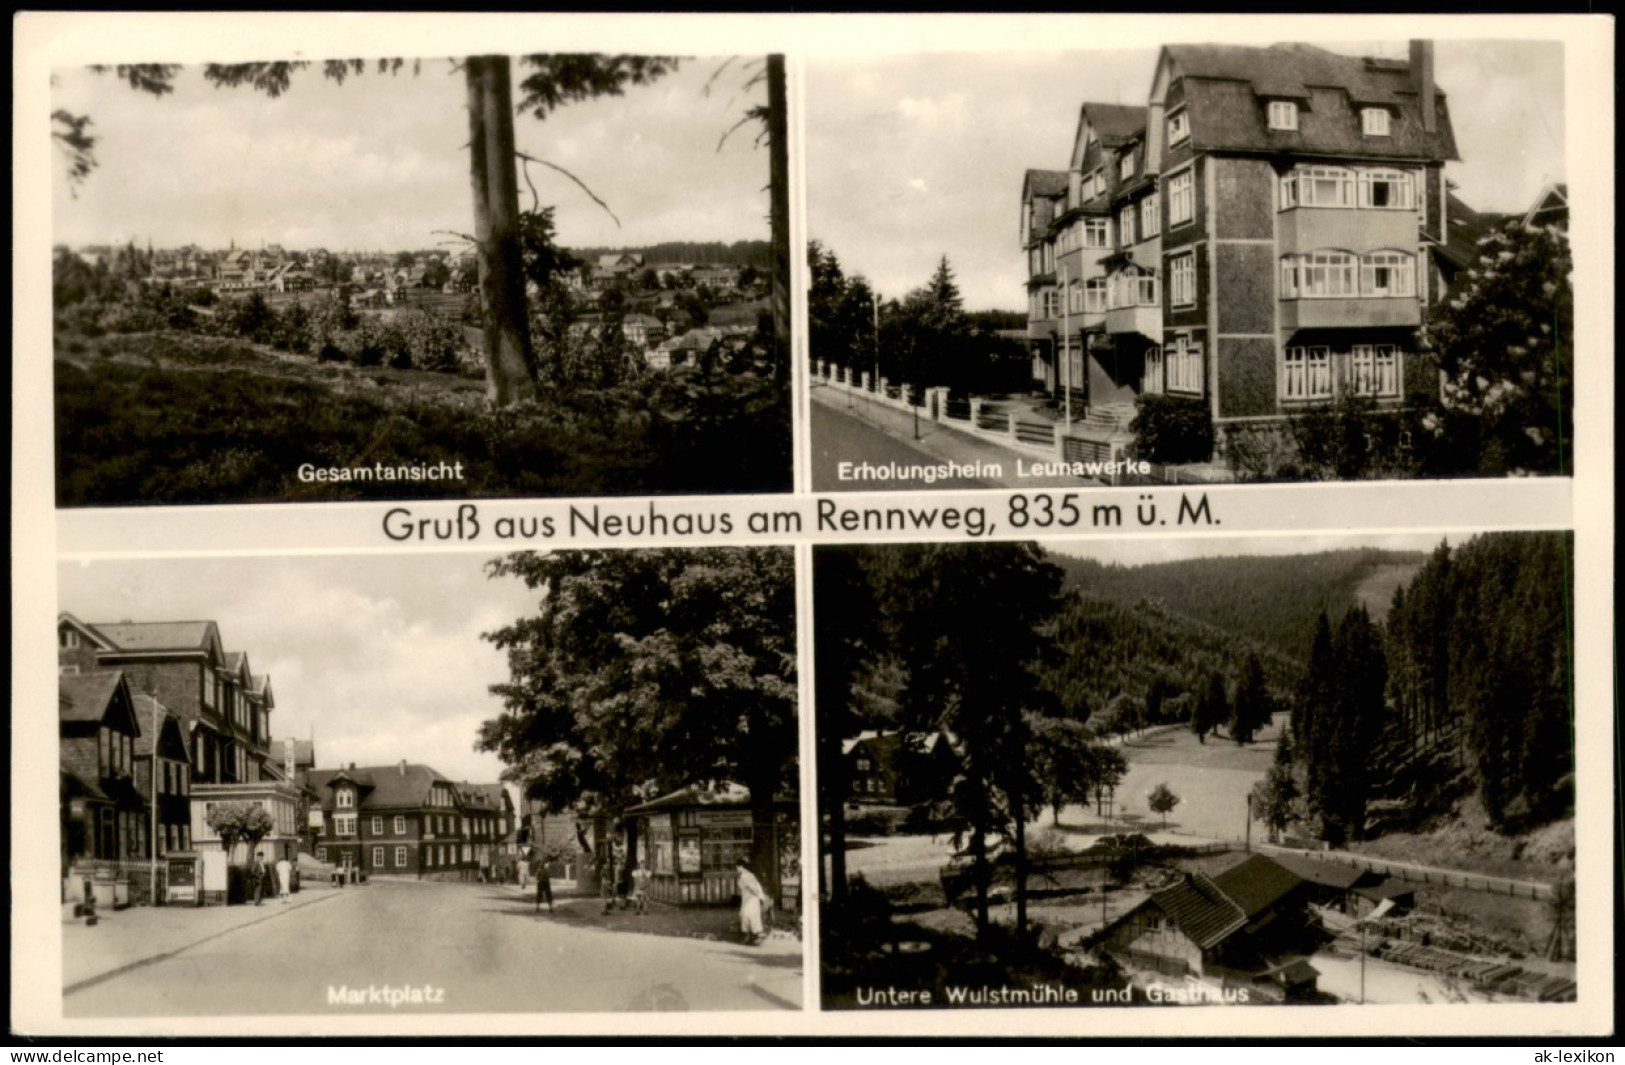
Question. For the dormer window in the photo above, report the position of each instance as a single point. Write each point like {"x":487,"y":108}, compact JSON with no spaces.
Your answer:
{"x":345,"y":799}
{"x":1283,"y":114}
{"x":1179,"y":127}
{"x":1125,"y":167}
{"x":1374,"y":122}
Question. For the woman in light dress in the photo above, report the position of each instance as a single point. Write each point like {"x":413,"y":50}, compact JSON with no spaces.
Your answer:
{"x":752,"y":903}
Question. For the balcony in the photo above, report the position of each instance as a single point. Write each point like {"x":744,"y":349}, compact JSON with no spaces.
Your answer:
{"x":1350,"y":313}
{"x":1145,"y":320}
{"x":1356,"y":230}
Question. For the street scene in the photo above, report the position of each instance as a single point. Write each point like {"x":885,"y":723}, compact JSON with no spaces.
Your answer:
{"x":1293,"y":262}
{"x":1156,"y":774}
{"x":221,"y":800}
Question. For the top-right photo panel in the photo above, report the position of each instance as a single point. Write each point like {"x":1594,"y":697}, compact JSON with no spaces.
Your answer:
{"x":1194,"y":263}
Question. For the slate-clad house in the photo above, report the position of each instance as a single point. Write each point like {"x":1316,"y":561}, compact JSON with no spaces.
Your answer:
{"x":172,"y":776}
{"x":402,"y":820}
{"x":103,"y":815}
{"x":1260,"y":237}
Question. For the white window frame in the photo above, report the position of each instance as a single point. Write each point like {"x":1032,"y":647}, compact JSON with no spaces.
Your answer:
{"x":345,"y":799}
{"x":1401,"y":198}
{"x":1387,"y":275}
{"x":1291,"y":270}
{"x":1150,"y":217}
{"x":1375,"y":122}
{"x":1283,"y":114}
{"x":1151,"y":380}
{"x":344,"y":825}
{"x":1074,"y":296}
{"x":1182,"y":366}
{"x":1146,"y":293}
{"x":321,"y":854}
{"x":1306,"y":373}
{"x":1097,"y":233}
{"x":1318,"y":186}
{"x":400,"y":825}
{"x":1181,"y":198}
{"x":1182,"y":280}
{"x":1125,"y":166}
{"x":1374,"y":370}
{"x":1094,"y":295}
{"x":378,"y":857}
{"x":400,"y":857}
{"x":1179,"y":126}
{"x":1328,"y":275}
{"x":377,"y":826}
{"x":1126,"y":225}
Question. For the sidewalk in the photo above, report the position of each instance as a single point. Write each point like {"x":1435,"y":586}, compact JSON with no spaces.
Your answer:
{"x":140,"y":935}
{"x":715,"y":923}
{"x":943,"y":442}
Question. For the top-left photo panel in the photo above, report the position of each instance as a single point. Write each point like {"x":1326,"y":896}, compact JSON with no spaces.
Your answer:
{"x":547,"y":275}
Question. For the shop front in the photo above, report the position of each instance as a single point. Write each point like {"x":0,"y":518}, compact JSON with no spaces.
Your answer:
{"x":692,"y":840}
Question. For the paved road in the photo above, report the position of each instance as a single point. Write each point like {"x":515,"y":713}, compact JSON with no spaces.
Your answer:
{"x":480,"y":946}
{"x":838,"y":437}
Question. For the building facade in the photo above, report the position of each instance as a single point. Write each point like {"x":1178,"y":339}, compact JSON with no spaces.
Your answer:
{"x":405,"y":820}
{"x":1258,"y":239}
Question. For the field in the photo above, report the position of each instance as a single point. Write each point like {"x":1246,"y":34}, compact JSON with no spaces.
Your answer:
{"x":172,"y":417}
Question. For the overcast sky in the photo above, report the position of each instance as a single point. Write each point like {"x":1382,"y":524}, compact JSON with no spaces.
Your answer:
{"x":380,"y":162}
{"x":380,"y":654}
{"x":912,"y":157}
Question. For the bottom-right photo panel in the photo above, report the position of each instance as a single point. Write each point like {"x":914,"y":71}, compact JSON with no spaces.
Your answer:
{"x":1196,"y":772}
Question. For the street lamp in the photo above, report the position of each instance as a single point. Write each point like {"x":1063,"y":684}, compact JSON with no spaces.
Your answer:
{"x":152,"y":821}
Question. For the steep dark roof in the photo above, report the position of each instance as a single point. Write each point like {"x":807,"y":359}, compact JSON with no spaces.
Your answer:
{"x":1196,"y":906}
{"x":483,"y":796}
{"x":1045,"y":183}
{"x":1326,"y":874}
{"x":381,"y":787}
{"x":1257,"y":884}
{"x":168,"y":724}
{"x":1224,"y":86}
{"x":1115,"y":123}
{"x":84,"y":696}
{"x":158,"y":635}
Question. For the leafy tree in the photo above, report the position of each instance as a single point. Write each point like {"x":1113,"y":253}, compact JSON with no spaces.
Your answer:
{"x":1161,"y":799}
{"x":1504,"y":342}
{"x":436,"y":273}
{"x":1212,"y":707}
{"x":240,"y":822}
{"x":1107,"y":768}
{"x":1274,"y":798}
{"x":1063,"y":761}
{"x":645,"y":671}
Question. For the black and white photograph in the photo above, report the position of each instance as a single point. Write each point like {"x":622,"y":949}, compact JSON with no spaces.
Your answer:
{"x":1274,"y":262}
{"x":1307,"y":769}
{"x":441,"y":784}
{"x":271,"y":281}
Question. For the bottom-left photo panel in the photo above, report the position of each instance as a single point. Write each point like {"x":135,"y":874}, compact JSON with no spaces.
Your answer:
{"x":430,"y":783}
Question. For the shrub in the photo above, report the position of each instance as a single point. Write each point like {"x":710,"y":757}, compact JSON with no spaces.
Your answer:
{"x":1172,"y":431}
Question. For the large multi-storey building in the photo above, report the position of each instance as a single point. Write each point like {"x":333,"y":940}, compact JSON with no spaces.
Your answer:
{"x":1258,"y":238}
{"x":404,"y":820}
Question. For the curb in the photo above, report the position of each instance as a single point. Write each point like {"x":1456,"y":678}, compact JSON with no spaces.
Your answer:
{"x":141,"y":963}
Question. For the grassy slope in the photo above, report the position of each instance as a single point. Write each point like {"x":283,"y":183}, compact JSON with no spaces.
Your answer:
{"x":178,"y":418}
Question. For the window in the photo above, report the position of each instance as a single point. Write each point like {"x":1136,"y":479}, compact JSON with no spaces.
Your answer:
{"x":1094,"y":296}
{"x":1182,"y":280}
{"x":1179,"y":127}
{"x":1152,"y":380}
{"x":378,"y":857}
{"x":1145,"y":289}
{"x":1283,"y":114}
{"x":67,"y":638}
{"x":344,"y":826}
{"x":1387,"y":273}
{"x":1181,"y":198}
{"x":1074,"y":300}
{"x":345,"y":799}
{"x":1150,"y":217}
{"x":1318,"y":186}
{"x":1307,"y":373}
{"x":1125,"y":166}
{"x":1125,"y":226}
{"x":400,"y":857}
{"x":400,"y":826}
{"x":378,"y":826}
{"x":1290,"y":285}
{"x":1374,"y":370}
{"x":1094,"y":183}
{"x":1182,"y":366}
{"x":1049,"y":268}
{"x":1052,"y":303}
{"x":1097,"y":233}
{"x":1392,"y":189}
{"x":321,"y":854}
{"x":1374,"y":121}
{"x":1327,"y":275}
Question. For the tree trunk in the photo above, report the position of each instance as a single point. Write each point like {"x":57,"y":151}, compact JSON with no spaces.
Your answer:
{"x":778,"y":139}
{"x":508,"y":358}
{"x":1021,"y":866}
{"x":764,"y":843}
{"x":833,"y":785}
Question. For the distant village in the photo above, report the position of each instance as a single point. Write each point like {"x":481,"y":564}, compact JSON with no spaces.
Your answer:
{"x":663,"y":307}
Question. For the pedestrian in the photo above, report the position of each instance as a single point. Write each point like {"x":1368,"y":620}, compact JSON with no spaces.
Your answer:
{"x":610,"y":875}
{"x":256,"y":877}
{"x":752,"y":901}
{"x":284,"y":878}
{"x":640,"y":889}
{"x":544,"y":886}
{"x":522,"y":868}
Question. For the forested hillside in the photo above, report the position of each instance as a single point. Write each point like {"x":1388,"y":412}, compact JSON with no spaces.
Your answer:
{"x":1271,"y":599}
{"x":699,"y":252}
